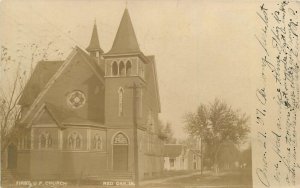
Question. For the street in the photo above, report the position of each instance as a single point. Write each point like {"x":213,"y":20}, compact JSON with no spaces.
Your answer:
{"x":236,"y":179}
{"x":230,"y":179}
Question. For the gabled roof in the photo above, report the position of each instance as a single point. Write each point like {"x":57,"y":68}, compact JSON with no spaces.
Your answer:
{"x":45,"y":70}
{"x":172,"y":150}
{"x":36,"y":101}
{"x":94,"y":43}
{"x":125,"y":41}
{"x":42,"y":73}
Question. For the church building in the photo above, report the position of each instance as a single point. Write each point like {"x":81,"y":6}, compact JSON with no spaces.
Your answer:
{"x":94,"y":114}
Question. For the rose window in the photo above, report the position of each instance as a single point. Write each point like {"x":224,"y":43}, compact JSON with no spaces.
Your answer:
{"x":76,"y":99}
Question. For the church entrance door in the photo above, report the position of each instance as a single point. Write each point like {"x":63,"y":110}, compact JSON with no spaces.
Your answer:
{"x":120,"y":152}
{"x":12,"y":156}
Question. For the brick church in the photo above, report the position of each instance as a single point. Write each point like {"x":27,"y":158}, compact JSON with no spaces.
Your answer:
{"x":84,"y":117}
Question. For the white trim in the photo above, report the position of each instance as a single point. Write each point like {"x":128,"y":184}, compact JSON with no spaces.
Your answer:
{"x":44,"y":125}
{"x":83,"y":125}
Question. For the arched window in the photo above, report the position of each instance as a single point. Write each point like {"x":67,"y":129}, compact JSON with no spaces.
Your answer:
{"x":128,"y":68}
{"x":45,"y":140}
{"x":115,"y":68}
{"x":97,"y":142}
{"x":121,"y":93}
{"x":122,"y":68}
{"x":42,"y":141}
{"x":74,"y":141}
{"x":120,"y":138}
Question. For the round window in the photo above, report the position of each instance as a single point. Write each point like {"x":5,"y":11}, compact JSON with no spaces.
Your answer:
{"x":76,"y":99}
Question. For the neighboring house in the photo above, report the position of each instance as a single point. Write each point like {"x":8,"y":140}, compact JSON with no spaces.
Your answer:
{"x":78,"y":113}
{"x":180,"y":157}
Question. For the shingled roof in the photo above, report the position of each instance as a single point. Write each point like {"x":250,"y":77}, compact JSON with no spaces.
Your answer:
{"x":94,"y":43}
{"x":43,"y":71}
{"x":125,"y":41}
{"x":172,"y":150}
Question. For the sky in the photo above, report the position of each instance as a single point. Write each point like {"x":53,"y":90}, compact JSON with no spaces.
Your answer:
{"x":203,"y":49}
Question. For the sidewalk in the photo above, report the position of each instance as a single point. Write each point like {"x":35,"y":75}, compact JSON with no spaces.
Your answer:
{"x":161,"y":180}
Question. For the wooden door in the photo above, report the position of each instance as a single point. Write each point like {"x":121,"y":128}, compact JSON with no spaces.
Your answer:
{"x":120,"y":157}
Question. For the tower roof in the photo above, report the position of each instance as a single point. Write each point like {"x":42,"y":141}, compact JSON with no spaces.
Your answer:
{"x":125,"y":40}
{"x":94,"y":43}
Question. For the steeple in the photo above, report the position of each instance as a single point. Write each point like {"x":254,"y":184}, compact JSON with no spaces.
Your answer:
{"x":94,"y":45}
{"x":125,"y":41}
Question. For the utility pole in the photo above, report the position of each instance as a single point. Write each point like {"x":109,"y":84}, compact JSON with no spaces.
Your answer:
{"x":201,"y":140}
{"x":134,"y":88}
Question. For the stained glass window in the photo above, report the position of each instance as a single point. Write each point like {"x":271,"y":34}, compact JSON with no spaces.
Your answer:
{"x":75,"y":141}
{"x":76,"y":99}
{"x":120,"y":138}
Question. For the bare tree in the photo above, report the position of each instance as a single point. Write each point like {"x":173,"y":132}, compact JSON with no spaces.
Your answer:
{"x":10,"y":93}
{"x":16,"y":75}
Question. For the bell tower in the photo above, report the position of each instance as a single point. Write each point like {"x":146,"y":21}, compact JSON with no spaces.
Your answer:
{"x":124,"y":66}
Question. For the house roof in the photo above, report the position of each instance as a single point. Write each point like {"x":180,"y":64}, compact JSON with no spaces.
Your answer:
{"x":196,"y":151}
{"x":43,"y":71}
{"x":172,"y":150}
{"x":94,"y":43}
{"x":125,"y":41}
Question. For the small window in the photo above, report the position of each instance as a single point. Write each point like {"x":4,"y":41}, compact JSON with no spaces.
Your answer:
{"x":122,"y":68}
{"x":115,"y":68}
{"x":121,"y":93}
{"x":128,"y":68}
